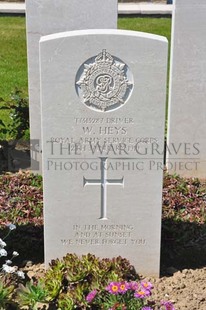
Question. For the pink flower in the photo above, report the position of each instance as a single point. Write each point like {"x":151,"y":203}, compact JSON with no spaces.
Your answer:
{"x":142,"y":293}
{"x":133,"y":286}
{"x":123,"y":287}
{"x":91,"y":296}
{"x":113,"y":288}
{"x":146,"y":285}
{"x":168,"y":305}
{"x":146,"y":308}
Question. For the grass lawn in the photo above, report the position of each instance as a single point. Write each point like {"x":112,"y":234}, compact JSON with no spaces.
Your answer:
{"x":13,"y":58}
{"x":160,"y":26}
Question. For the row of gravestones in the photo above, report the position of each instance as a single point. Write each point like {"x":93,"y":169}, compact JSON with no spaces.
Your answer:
{"x":101,"y":124}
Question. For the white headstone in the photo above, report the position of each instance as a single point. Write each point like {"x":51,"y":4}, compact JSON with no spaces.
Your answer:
{"x":52,"y":16}
{"x":103,"y":113}
{"x":187,"y":104}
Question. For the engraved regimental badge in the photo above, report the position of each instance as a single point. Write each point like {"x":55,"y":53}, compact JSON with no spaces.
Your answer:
{"x":104,"y":82}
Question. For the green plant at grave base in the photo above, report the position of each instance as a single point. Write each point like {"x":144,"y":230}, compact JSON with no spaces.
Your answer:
{"x":75,"y":277}
{"x":5,"y":295}
{"x":88,"y":282}
{"x":83,"y":283}
{"x":67,"y":283}
{"x":65,"y":303}
{"x":18,"y":125}
{"x":31,"y":294}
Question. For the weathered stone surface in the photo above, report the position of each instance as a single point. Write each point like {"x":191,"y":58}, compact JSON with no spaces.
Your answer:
{"x":52,"y":16}
{"x":187,"y":106}
{"x":103,"y":114}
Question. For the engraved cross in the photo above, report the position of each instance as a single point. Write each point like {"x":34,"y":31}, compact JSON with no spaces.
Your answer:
{"x":104,"y":182}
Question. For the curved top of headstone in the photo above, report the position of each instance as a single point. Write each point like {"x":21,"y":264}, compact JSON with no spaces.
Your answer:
{"x":143,"y":35}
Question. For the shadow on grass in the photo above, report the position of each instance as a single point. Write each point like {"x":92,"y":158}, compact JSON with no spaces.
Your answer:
{"x":28,"y":241}
{"x":14,"y":156}
{"x":183,"y":245}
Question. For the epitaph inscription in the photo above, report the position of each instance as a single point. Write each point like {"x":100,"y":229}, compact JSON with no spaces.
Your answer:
{"x":104,"y":234}
{"x":105,"y":82}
